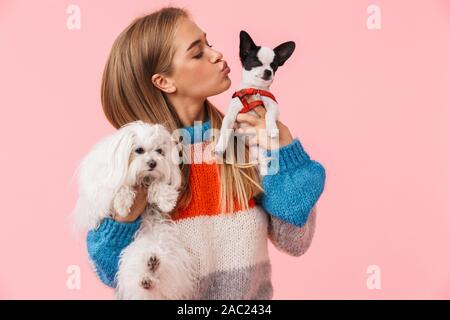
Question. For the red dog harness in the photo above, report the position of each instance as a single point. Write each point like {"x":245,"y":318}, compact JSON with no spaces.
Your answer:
{"x":241,"y":94}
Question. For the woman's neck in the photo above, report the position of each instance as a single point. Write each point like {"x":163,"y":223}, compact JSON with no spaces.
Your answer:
{"x":189,"y":110}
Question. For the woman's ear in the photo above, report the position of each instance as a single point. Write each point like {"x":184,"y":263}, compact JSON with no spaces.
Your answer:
{"x":163,"y":83}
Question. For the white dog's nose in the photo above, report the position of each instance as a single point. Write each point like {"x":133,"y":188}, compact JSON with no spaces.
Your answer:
{"x":152,"y":164}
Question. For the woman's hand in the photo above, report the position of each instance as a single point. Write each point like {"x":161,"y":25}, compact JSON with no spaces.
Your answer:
{"x":140,"y":202}
{"x":256,"y":123}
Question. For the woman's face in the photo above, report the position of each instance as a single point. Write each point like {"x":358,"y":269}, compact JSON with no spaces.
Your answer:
{"x":197,"y":67}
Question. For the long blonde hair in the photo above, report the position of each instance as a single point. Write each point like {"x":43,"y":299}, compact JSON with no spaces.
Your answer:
{"x":127,"y":94}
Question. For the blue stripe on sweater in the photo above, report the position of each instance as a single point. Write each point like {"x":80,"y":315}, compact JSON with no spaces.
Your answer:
{"x":296,"y":186}
{"x":105,"y":244}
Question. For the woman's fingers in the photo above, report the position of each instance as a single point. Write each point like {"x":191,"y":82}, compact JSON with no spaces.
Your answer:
{"x":253,"y":137}
{"x":142,"y":191}
{"x":256,"y":123}
{"x":247,"y":131}
{"x":249,"y":118}
{"x":261,"y":111}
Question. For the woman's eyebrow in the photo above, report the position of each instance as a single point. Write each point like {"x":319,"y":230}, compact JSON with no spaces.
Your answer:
{"x":196,"y":42}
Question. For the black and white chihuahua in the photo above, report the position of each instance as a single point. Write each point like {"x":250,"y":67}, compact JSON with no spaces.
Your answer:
{"x":260,"y":64}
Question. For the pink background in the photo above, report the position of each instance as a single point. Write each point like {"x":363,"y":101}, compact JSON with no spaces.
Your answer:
{"x":373,"y":106}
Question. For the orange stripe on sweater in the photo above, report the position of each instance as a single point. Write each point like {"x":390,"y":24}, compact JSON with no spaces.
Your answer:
{"x":205,"y":183}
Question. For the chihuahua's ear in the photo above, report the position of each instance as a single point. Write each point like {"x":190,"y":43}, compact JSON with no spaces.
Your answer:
{"x":246,"y":44}
{"x":284,"y":51}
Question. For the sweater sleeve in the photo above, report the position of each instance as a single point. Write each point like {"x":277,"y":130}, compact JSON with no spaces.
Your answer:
{"x":291,"y":239}
{"x":105,"y":244}
{"x":292,"y":188}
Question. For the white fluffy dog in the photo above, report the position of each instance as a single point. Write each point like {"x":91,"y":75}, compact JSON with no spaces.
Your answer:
{"x":157,"y":264}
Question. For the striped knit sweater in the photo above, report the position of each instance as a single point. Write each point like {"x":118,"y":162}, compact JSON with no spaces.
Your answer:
{"x":230,"y":250}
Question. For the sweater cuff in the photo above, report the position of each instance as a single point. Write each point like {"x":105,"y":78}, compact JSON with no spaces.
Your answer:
{"x":119,"y":233}
{"x":290,"y":156}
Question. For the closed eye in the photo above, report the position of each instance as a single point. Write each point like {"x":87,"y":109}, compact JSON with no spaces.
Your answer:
{"x":198,"y":56}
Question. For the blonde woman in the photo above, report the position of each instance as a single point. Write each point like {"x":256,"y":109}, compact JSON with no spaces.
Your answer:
{"x":161,"y":69}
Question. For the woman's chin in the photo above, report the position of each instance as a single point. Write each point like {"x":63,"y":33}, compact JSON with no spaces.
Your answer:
{"x":227,"y":81}
{"x":223,"y":86}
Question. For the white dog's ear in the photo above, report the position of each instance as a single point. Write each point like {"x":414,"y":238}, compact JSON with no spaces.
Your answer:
{"x":174,"y":177}
{"x":175,"y":173}
{"x":100,"y":174}
{"x":117,"y":154}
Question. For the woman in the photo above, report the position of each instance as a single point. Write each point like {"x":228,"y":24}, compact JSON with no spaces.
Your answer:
{"x":155,"y":75}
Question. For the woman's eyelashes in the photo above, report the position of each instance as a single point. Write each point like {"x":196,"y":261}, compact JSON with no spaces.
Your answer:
{"x":201,"y":53}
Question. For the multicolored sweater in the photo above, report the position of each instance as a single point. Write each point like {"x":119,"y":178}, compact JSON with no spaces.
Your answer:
{"x":231,"y":250}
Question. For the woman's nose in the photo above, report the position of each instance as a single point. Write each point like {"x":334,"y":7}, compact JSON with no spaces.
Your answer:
{"x":216,"y":56}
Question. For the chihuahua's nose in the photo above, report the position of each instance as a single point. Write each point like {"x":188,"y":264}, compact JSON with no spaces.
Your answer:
{"x":267,"y":74}
{"x":152,"y":164}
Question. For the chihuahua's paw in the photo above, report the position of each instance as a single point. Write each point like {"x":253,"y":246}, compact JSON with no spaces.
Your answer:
{"x":220,"y":148}
{"x":273,"y":133}
{"x":263,"y":169}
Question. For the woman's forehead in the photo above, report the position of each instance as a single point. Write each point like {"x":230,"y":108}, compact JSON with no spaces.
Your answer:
{"x":187,"y":33}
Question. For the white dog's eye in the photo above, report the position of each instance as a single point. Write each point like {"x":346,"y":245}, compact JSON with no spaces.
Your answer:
{"x":159,"y":150}
{"x":139,"y":150}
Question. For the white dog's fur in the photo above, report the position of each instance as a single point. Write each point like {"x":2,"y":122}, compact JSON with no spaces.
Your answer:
{"x":156,"y":265}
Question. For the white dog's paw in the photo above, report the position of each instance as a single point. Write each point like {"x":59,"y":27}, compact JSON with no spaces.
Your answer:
{"x":153,"y":263}
{"x":166,"y":198}
{"x":123,"y":201}
{"x":148,"y":281}
{"x":150,"y":278}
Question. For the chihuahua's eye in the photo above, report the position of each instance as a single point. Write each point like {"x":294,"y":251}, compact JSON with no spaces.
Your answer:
{"x":139,"y":150}
{"x":160,"y":151}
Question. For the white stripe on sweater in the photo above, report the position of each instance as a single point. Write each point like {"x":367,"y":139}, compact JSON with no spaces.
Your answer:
{"x":226,"y":241}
